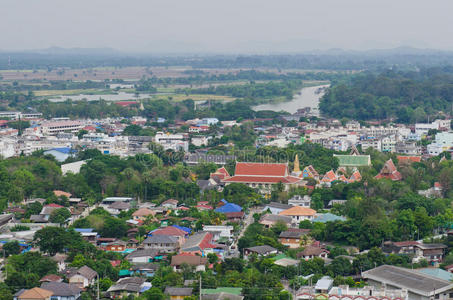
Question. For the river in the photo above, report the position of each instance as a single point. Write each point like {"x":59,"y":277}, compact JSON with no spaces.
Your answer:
{"x":307,"y":97}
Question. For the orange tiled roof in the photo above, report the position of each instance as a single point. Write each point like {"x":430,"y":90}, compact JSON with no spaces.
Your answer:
{"x":298,"y":211}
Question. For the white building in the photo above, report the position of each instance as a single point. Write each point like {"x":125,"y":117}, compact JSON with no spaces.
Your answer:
{"x":174,"y":142}
{"x":55,"y":127}
{"x":443,"y":142}
{"x":298,"y":200}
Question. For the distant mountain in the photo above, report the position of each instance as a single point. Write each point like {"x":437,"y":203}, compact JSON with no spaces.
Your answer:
{"x":75,"y":51}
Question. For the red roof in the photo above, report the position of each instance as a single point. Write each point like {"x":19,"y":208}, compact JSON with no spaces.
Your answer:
{"x":204,"y":206}
{"x":170,"y":230}
{"x":235,"y":214}
{"x":389,"y":171}
{"x":260,"y":179}
{"x":89,"y":128}
{"x":54,"y":205}
{"x":405,"y":243}
{"x":409,"y":158}
{"x":260,"y":169}
{"x":126,"y":103}
{"x":115,"y":263}
{"x":329,"y":176}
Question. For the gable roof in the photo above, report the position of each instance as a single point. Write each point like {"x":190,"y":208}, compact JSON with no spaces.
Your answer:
{"x":198,"y":242}
{"x":143,"y":212}
{"x":170,"y":230}
{"x":35,"y":293}
{"x":389,"y":171}
{"x":87,"y":272}
{"x":175,"y":291}
{"x":192,"y":260}
{"x":160,"y":239}
{"x":264,"y":249}
{"x":61,"y":288}
{"x":229,"y":207}
{"x":311,"y":250}
{"x":298,"y":211}
{"x":260,"y":169}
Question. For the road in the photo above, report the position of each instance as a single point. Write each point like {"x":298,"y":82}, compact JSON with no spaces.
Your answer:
{"x":247,"y":221}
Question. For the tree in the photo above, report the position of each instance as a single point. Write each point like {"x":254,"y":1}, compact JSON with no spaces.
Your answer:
{"x":52,"y":239}
{"x":11,"y":248}
{"x":154,"y":294}
{"x":60,"y":216}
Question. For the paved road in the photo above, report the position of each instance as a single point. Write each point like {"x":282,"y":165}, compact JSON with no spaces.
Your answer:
{"x":247,"y":221}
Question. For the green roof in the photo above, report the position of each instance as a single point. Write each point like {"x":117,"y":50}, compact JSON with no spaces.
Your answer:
{"x":280,"y":256}
{"x":229,"y":290}
{"x":353,"y":160}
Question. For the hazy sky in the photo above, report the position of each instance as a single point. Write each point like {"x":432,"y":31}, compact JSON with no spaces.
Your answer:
{"x":258,"y":26}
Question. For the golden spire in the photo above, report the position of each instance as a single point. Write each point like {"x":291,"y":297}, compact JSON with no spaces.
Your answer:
{"x":296,"y":164}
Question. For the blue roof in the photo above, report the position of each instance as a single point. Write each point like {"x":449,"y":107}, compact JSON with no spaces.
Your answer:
{"x":186,"y":229}
{"x":84,"y":229}
{"x":224,"y":201}
{"x":229,"y":207}
{"x":64,"y":150}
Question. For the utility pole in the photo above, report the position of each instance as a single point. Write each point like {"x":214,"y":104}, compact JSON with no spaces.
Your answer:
{"x":98,"y":286}
{"x":199,"y":298}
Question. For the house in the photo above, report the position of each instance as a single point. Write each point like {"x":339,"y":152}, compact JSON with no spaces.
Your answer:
{"x":260,"y":251}
{"x":418,"y":285}
{"x":433,"y":253}
{"x":293,"y":237}
{"x":404,"y":247}
{"x":311,"y":252}
{"x":141,"y":256}
{"x":389,"y":171}
{"x":269,"y":220}
{"x":146,"y":269}
{"x":161,"y":243}
{"x":142,"y":213}
{"x":117,"y":207}
{"x":262,"y":176}
{"x":62,"y":290}
{"x":59,"y":194}
{"x":170,"y":204}
{"x":228,"y":208}
{"x":275,"y":208}
{"x":83,"y":277}
{"x":324,"y":285}
{"x":199,"y":243}
{"x":298,"y":200}
{"x":235,"y":216}
{"x":171,"y":231}
{"x":195,"y":261}
{"x":336,"y":201}
{"x":125,"y":287}
{"x":33,"y":294}
{"x":299,"y":213}
{"x":47,"y":210}
{"x":116,"y":246}
{"x":88,"y":234}
{"x":60,"y":259}
{"x":177,"y":293}
{"x":223,"y":231}
{"x":51,"y":278}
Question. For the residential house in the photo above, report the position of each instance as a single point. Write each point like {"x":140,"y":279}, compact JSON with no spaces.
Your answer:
{"x":298,"y":200}
{"x":88,"y":234}
{"x":82,"y":277}
{"x":33,"y":294}
{"x":292,"y":237}
{"x":324,"y":285}
{"x":176,"y":293}
{"x":269,"y":220}
{"x":224,"y":231}
{"x":62,"y":290}
{"x":275,"y":207}
{"x":143,"y":213}
{"x":404,"y":247}
{"x":116,"y":246}
{"x":161,"y":243}
{"x":298,"y":214}
{"x":60,"y":259}
{"x":170,"y":204}
{"x":51,"y":278}
{"x":125,"y":287}
{"x":264,"y":250}
{"x":146,"y":269}
{"x":171,"y":231}
{"x":235,"y":216}
{"x":195,"y":261}
{"x":433,"y":253}
{"x":311,"y":252}
{"x":116,"y":208}
{"x":141,"y":256}
{"x":199,"y":243}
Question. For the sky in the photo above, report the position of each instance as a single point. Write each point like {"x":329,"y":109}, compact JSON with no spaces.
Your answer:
{"x":228,"y":26}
